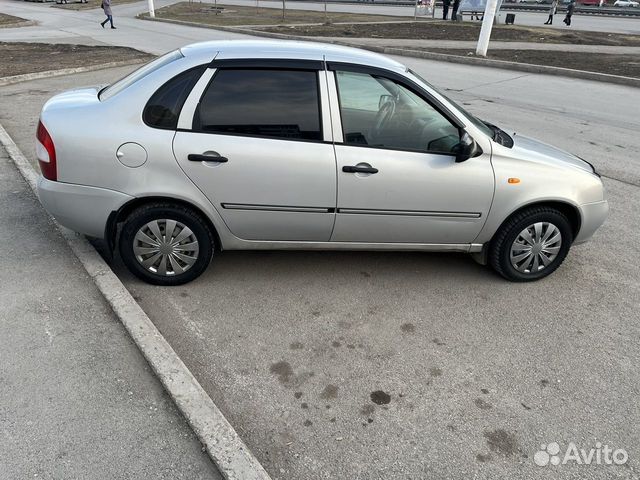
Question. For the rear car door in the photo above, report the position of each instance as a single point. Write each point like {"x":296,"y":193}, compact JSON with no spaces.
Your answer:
{"x":398,"y":180}
{"x":257,"y":148}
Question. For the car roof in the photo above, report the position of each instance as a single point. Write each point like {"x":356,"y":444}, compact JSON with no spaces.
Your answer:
{"x":288,"y":49}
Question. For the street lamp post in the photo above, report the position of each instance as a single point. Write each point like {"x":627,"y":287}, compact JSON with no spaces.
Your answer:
{"x":152,"y":10}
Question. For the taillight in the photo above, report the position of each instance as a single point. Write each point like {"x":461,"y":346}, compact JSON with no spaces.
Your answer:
{"x":46,"y":153}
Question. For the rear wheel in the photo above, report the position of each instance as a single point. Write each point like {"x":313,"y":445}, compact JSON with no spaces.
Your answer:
{"x":531,"y":245}
{"x":166,"y":244}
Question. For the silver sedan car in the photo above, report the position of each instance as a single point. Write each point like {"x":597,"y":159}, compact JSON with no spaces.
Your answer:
{"x":295,"y":145}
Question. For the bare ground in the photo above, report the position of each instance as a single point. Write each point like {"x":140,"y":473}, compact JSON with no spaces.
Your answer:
{"x":10,"y":20}
{"x":232,"y":15}
{"x":439,"y":30}
{"x":22,"y":58}
{"x":612,"y":64}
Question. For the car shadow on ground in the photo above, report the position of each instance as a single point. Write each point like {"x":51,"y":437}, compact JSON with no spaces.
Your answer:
{"x":270,"y":265}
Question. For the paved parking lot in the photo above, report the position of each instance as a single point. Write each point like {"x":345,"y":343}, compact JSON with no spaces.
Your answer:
{"x":407,"y":365}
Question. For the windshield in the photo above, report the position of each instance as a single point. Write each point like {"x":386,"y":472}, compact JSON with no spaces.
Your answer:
{"x":479,"y":124}
{"x":139,"y":74}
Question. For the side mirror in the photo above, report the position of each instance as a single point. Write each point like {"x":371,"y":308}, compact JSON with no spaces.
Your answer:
{"x":384,"y":99}
{"x":467,"y":148}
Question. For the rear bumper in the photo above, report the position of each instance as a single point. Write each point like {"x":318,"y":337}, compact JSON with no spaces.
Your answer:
{"x":593,"y":216}
{"x":78,"y":207}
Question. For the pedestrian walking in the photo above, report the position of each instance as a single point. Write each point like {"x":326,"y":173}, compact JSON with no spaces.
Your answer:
{"x":570,"y":8}
{"x":454,"y":12}
{"x":106,"y":6}
{"x":552,"y":12}
{"x":445,"y":8}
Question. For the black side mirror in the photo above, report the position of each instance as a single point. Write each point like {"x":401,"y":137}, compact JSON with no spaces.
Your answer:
{"x":466,"y":149}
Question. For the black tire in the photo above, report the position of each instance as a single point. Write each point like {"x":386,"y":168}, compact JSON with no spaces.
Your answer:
{"x":159,"y":211}
{"x":500,"y":247}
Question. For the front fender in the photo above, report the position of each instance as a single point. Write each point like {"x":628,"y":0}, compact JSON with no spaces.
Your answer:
{"x":536,"y":183}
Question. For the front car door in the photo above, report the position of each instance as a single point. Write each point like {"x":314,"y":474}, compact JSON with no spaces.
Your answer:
{"x":398,"y":180}
{"x":256,"y":147}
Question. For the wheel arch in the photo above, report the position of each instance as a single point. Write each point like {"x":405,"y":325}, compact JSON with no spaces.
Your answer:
{"x":568,"y":209}
{"x":117,"y":217}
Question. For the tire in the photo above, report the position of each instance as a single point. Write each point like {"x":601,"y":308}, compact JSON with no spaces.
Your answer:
{"x":524,"y":233}
{"x":179,"y":259}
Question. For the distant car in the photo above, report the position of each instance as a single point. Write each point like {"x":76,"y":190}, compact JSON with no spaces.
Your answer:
{"x":279,"y":145}
{"x":625,"y":3}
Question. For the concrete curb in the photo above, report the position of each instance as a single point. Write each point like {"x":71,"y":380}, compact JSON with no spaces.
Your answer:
{"x":65,"y":71}
{"x":229,"y":453}
{"x":442,"y":57}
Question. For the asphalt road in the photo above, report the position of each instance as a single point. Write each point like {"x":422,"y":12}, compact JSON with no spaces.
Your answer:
{"x":406,"y":365}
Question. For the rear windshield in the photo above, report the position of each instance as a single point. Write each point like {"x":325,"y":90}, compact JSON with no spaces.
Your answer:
{"x":139,"y":74}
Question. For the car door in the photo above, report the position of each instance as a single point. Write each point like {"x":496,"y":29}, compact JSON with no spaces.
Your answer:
{"x":257,"y":149}
{"x":398,"y":180}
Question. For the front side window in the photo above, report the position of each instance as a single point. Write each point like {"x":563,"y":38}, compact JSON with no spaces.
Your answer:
{"x":261,"y":102}
{"x":378,"y":112}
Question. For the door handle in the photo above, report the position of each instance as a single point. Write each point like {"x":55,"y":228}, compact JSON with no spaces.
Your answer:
{"x":356,"y":169}
{"x":195,"y":157}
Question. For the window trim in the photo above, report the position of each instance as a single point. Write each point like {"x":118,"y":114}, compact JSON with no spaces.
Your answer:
{"x":266,"y":64}
{"x":173,"y":129}
{"x":402,"y":81}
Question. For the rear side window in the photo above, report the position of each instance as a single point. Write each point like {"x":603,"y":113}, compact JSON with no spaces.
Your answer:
{"x":261,"y":102}
{"x":163,"y":108}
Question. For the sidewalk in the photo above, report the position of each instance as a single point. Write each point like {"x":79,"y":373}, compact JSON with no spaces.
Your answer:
{"x":77,"y":398}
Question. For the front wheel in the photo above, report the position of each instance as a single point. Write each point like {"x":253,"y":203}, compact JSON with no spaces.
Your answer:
{"x":531,"y":245}
{"x":166,"y":244}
